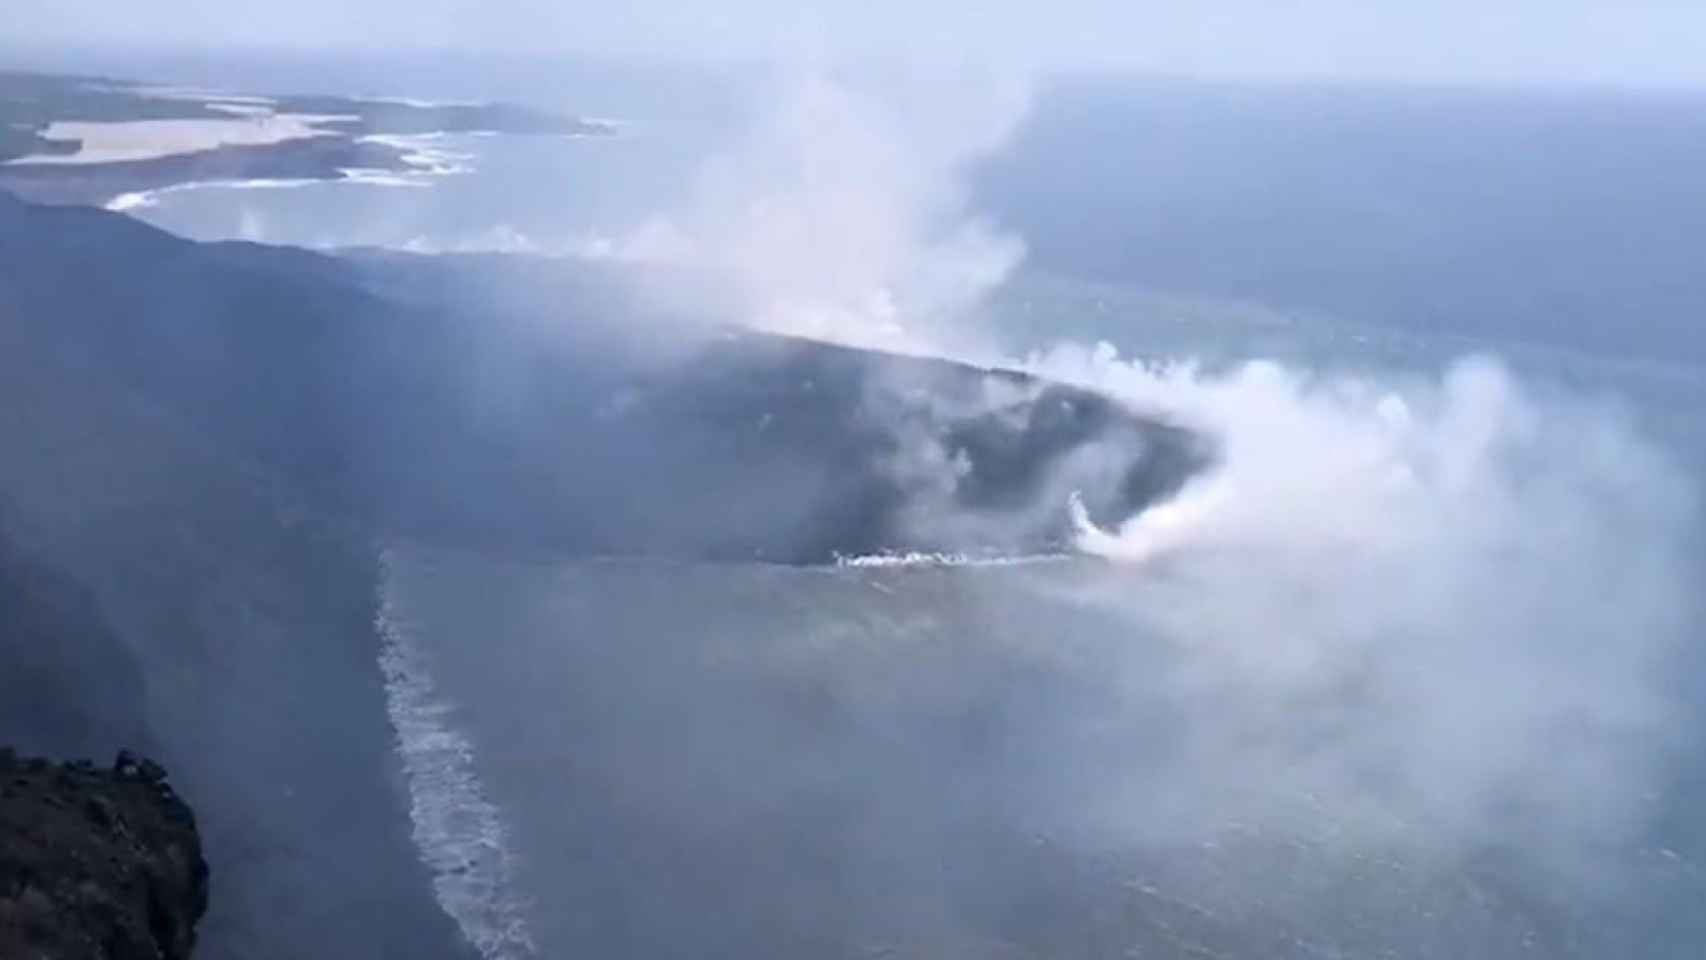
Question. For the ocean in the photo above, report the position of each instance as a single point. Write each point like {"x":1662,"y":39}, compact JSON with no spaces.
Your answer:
{"x":915,"y":760}
{"x":1413,"y":672}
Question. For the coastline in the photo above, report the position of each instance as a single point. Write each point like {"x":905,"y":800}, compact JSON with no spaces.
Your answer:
{"x":100,"y":184}
{"x":379,"y":141}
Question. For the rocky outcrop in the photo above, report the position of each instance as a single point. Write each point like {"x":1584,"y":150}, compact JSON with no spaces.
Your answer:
{"x":96,"y":864}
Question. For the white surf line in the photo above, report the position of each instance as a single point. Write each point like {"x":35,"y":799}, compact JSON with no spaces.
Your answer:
{"x":459,"y":833}
{"x":380,"y":177}
{"x":424,"y":153}
{"x":143,"y":199}
{"x":918,"y":559}
{"x":359,"y":176}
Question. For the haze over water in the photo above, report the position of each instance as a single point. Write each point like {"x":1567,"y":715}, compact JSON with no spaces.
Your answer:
{"x":1413,"y":670}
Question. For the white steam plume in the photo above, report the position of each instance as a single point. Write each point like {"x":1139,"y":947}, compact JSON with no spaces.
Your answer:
{"x":1449,"y":606}
{"x":1445,"y":606}
{"x":840,"y":214}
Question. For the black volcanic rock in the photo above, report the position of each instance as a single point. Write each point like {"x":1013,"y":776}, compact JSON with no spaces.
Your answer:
{"x":97,"y":864}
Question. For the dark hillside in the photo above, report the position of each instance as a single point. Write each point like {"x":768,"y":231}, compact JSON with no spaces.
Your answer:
{"x":208,"y":444}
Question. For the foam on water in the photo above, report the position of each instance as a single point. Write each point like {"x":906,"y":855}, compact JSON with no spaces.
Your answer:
{"x":422,"y":161}
{"x":379,"y":177}
{"x":924,"y":559}
{"x":425,"y":153}
{"x":459,"y":833}
{"x":142,"y":199}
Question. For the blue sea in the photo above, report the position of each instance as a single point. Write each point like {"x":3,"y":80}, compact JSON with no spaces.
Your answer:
{"x":1416,"y":673}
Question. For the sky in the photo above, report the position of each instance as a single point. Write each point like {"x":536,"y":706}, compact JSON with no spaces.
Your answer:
{"x":1595,"y":42}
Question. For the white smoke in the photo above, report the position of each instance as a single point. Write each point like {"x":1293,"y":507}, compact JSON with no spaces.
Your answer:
{"x":1447,"y":605}
{"x":1437,"y":607}
{"x":841,"y":215}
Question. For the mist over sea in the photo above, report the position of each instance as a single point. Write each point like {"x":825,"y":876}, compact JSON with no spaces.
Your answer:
{"x":1413,"y":671}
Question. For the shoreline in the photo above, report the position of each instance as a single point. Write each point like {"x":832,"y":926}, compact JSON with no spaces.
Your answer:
{"x":100,"y":184}
{"x":220,"y":139}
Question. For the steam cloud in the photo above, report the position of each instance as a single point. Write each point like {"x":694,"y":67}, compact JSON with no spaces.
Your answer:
{"x":1432,"y":609}
{"x":1445,"y":607}
{"x":840,"y":214}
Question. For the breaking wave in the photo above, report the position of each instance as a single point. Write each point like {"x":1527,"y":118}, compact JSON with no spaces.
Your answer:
{"x":143,"y":199}
{"x":459,"y":833}
{"x":918,"y":559}
{"x":424,"y":153}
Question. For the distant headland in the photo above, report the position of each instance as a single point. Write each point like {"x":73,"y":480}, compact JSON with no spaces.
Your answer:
{"x":99,"y":141}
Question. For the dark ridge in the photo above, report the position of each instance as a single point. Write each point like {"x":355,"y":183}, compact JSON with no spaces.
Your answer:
{"x":210,"y":442}
{"x":565,"y":416}
{"x":155,"y":505}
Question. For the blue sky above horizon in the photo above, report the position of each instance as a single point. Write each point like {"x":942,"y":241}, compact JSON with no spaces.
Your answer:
{"x":1642,"y":43}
